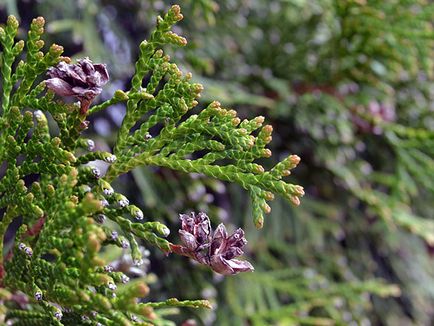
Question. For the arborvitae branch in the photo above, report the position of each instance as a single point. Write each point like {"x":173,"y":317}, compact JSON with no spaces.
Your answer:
{"x":217,"y":133}
{"x":54,"y":259}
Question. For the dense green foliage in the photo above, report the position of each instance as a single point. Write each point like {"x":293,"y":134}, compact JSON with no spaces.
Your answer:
{"x":347,"y":85}
{"x":60,"y":198}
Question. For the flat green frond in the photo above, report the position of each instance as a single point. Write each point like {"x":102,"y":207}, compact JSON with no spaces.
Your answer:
{"x":214,"y":142}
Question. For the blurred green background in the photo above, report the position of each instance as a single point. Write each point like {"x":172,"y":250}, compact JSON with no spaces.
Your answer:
{"x":348,"y":86}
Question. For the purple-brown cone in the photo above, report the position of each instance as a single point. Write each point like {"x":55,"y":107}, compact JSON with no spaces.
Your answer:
{"x":218,"y":251}
{"x":225,"y":248}
{"x":83,"y":80}
{"x":195,"y":231}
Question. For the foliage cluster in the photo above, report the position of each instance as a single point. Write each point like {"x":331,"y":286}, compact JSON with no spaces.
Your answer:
{"x":51,"y":270}
{"x":348,"y":86}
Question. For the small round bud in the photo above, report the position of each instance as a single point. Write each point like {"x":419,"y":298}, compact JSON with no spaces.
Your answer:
{"x":120,"y":95}
{"x":90,"y":145}
{"x":114,"y":235}
{"x":266,"y":153}
{"x":110,"y":159}
{"x":58,"y":315}
{"x":125,"y":279}
{"x":22,"y":246}
{"x":258,"y":168}
{"x":215,"y":104}
{"x":148,"y":136}
{"x":108,"y":191}
{"x":236,"y":121}
{"x":38,"y":22}
{"x":38,"y":295}
{"x":28,"y":251}
{"x":112,"y":286}
{"x":123,"y":202}
{"x":138,"y":214}
{"x":299,"y":190}
{"x":268,"y":195}
{"x":266,"y":208}
{"x":294,"y":159}
{"x":108,"y":268}
{"x":56,"y":49}
{"x":125,"y":244}
{"x":38,"y":114}
{"x":259,"y":120}
{"x":100,"y":218}
{"x":268,"y":129}
{"x":295,"y":200}
{"x":96,"y":172}
{"x":259,"y":222}
{"x":104,"y":202}
{"x":165,"y":231}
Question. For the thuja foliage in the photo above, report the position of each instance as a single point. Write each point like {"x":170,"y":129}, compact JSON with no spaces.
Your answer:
{"x":52,"y":271}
